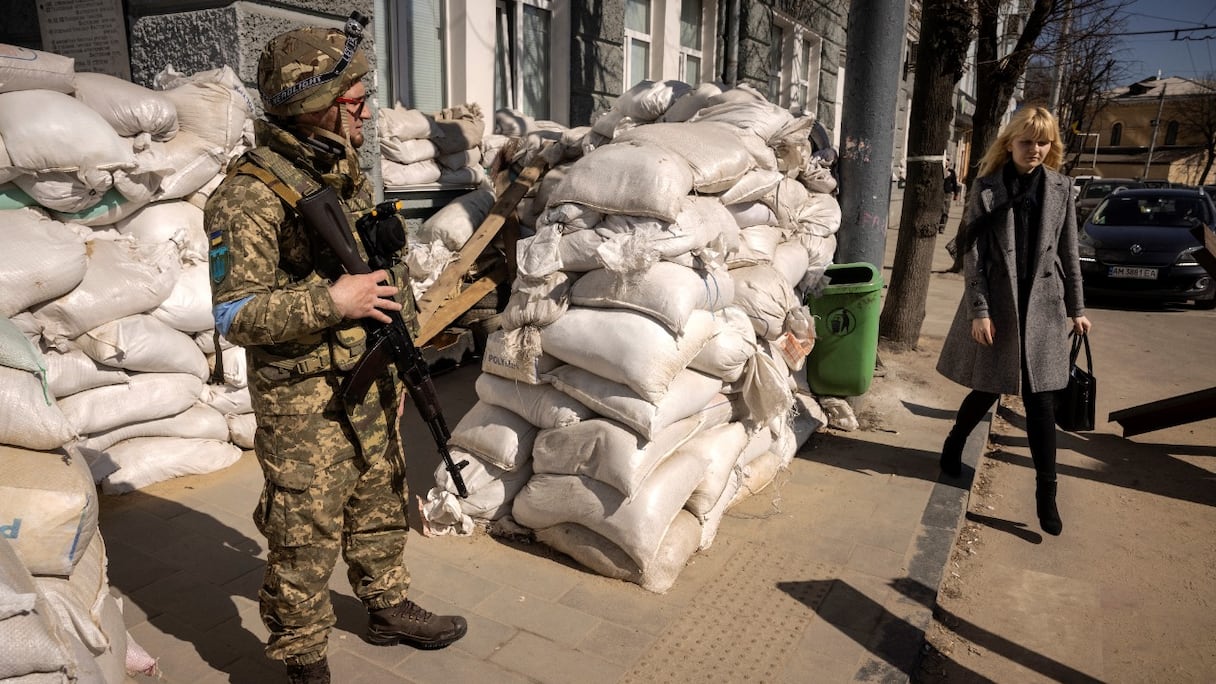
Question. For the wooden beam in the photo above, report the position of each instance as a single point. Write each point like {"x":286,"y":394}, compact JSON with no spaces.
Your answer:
{"x":453,"y":307}
{"x":1180,"y":410}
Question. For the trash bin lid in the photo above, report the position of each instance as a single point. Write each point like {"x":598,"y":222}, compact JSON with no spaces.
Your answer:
{"x":852,"y":278}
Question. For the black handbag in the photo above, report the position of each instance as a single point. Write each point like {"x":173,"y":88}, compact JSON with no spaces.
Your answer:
{"x":1076,"y":404}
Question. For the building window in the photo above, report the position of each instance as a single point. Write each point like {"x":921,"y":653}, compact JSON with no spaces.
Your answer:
{"x":521,"y":56}
{"x":793,"y":66}
{"x":637,"y":41}
{"x":419,"y":74}
{"x":691,"y":26}
{"x":1171,"y":133}
{"x":1116,"y":134}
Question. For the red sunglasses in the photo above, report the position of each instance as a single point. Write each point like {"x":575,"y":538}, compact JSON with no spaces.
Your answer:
{"x":353,"y":101}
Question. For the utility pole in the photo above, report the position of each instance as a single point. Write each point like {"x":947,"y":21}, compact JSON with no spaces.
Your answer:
{"x":1156,"y":124}
{"x":874,"y":48}
{"x":1058,"y":72}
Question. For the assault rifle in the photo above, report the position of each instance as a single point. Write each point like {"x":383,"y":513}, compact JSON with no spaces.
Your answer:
{"x":387,"y":343}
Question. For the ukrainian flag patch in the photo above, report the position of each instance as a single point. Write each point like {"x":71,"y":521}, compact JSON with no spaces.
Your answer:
{"x":218,"y":257}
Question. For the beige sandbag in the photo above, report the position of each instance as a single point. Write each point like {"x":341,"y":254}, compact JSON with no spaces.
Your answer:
{"x":752,"y":187}
{"x":42,"y":259}
{"x":227,"y":399}
{"x":144,"y":461}
{"x":752,"y":214}
{"x":24,"y":69}
{"x":403,"y":123}
{"x":32,"y":418}
{"x":211,"y":104}
{"x":541,"y":405}
{"x":48,"y":507}
{"x":188,"y":307}
{"x":757,"y":245}
{"x":491,"y":489}
{"x":241,"y":429}
{"x":722,"y":445}
{"x":32,"y":644}
{"x":123,"y":278}
{"x":142,"y":342}
{"x":407,"y":151}
{"x":128,"y":107}
{"x":819,"y":215}
{"x":792,"y":262}
{"x":65,"y":136}
{"x":690,"y":392}
{"x":609,"y":452}
{"x":147,"y":396}
{"x":537,"y":303}
{"x":761,"y":117}
{"x":715,"y":157}
{"x":404,"y":175}
{"x":200,"y":421}
{"x":517,"y":355}
{"x":455,"y":223}
{"x":77,"y":599}
{"x":191,"y":162}
{"x":627,"y":347}
{"x":627,"y":178}
{"x":648,"y":100}
{"x":667,"y":292}
{"x":731,"y":344}
{"x":73,"y":371}
{"x":763,"y":294}
{"x":494,"y":434}
{"x":687,"y":105}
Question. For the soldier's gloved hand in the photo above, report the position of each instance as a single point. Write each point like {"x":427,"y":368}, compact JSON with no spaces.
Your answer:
{"x":364,"y":296}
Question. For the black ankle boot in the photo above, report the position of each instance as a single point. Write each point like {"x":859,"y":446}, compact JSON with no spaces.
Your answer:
{"x":1049,"y":516}
{"x":312,"y":673}
{"x":952,"y":455}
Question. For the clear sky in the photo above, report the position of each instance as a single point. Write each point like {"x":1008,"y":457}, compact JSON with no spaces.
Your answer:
{"x":1144,"y":55}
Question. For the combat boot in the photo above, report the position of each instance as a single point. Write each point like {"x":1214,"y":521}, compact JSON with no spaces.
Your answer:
{"x":312,"y":673}
{"x":409,"y":623}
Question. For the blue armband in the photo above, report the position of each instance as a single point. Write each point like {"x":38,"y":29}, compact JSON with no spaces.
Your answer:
{"x":224,"y":313}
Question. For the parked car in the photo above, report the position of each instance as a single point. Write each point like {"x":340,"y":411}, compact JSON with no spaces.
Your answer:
{"x":1138,"y":243}
{"x":1097,"y":189}
{"x":1079,"y":182}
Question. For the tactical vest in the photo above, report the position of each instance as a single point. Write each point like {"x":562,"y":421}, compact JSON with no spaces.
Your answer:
{"x":337,"y":348}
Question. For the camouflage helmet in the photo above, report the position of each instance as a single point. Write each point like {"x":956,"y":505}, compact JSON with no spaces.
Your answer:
{"x":303,"y":70}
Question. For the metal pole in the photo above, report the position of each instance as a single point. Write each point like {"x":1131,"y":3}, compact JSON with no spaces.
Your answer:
{"x":874,"y":47}
{"x":1156,"y":124}
{"x":1058,"y":71}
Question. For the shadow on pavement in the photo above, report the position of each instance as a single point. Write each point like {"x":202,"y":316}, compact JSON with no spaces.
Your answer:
{"x":922,"y":411}
{"x":1144,"y":467}
{"x":870,"y":458}
{"x":1017,"y":529}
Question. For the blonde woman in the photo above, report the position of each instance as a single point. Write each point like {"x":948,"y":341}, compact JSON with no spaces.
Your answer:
{"x":1022,"y":295}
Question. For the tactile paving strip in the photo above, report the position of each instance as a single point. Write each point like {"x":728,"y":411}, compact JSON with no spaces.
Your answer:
{"x":742,"y":625}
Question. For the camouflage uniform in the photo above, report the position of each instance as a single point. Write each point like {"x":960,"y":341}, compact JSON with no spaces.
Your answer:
{"x":335,"y":471}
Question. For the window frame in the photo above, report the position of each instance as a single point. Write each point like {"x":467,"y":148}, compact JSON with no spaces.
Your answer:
{"x":632,"y":35}
{"x":511,"y":13}
{"x":688,"y":52}
{"x":1116,"y":134}
{"x":797,"y":81}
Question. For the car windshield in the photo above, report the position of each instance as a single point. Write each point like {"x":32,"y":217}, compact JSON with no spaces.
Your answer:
{"x":1151,"y":211}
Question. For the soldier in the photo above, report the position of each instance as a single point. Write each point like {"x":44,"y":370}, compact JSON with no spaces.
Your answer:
{"x":334,"y":469}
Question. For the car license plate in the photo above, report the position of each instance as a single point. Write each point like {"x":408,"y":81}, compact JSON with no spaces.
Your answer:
{"x":1133,"y":272}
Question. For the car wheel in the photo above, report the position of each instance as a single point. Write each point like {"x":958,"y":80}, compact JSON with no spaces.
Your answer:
{"x":1205,"y":304}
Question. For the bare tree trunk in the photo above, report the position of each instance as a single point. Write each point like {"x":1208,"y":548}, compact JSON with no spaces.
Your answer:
{"x":946,"y":34}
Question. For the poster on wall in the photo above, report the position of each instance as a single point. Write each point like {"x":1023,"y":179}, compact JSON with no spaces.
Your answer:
{"x":93,"y":32}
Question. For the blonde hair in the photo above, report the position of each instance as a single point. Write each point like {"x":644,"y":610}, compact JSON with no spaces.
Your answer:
{"x":1035,"y":123}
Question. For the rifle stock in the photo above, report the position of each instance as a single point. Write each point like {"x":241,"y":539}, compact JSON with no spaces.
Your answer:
{"x":387,"y":343}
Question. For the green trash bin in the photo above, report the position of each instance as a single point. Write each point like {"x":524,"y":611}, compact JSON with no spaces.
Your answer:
{"x":841,"y":364}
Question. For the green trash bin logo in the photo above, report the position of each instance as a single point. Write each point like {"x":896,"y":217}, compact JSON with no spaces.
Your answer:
{"x":841,"y":322}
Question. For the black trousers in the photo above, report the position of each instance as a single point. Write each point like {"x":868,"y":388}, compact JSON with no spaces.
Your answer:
{"x":1040,"y":424}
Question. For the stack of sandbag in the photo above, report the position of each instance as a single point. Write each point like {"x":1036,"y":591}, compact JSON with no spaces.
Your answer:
{"x":662,"y":291}
{"x":442,"y":148}
{"x":106,"y":272}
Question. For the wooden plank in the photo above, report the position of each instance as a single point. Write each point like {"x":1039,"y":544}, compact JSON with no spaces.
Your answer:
{"x":448,"y":283}
{"x":1157,"y":415}
{"x":454,"y":307}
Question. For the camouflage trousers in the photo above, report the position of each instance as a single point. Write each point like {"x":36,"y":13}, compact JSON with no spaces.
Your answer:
{"x":335,"y":483}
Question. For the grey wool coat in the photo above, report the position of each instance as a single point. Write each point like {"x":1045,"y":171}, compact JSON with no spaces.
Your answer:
{"x":990,"y":291}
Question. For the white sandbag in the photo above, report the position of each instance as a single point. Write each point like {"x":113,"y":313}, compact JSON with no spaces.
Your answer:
{"x":112,"y":662}
{"x":227,"y":399}
{"x":743,"y":92}
{"x":809,"y":418}
{"x":608,"y":452}
{"x":495,"y":435}
{"x":464,"y":176}
{"x":763,"y":118}
{"x":819,"y":215}
{"x":404,"y":175}
{"x":403,"y":123}
{"x":637,"y":525}
{"x":757,"y":475}
{"x":648,"y":100}
{"x":627,"y":347}
{"x":188,"y":306}
{"x":575,"y":252}
{"x":517,"y":355}
{"x":48,"y":507}
{"x":123,"y":277}
{"x":792,"y":262}
{"x":460,"y":160}
{"x":241,"y":429}
{"x":408,"y":151}
{"x":537,"y":303}
{"x":491,"y":489}
{"x":73,"y":371}
{"x":722,"y":446}
{"x":757,"y":245}
{"x":714,"y":155}
{"x":25,"y":69}
{"x":143,"y":461}
{"x":598,"y":554}
{"x":688,"y":394}
{"x":426,"y":263}
{"x":32,"y":644}
{"x":210,"y":104}
{"x":765,"y":389}
{"x":541,"y":405}
{"x":627,"y":178}
{"x":712,"y":519}
{"x":454,"y":224}
{"x":141,"y":342}
{"x":191,"y":161}
{"x":41,"y":260}
{"x":200,"y":421}
{"x":731,"y":344}
{"x":763,"y":294}
{"x":128,"y":107}
{"x":691,"y":102}
{"x":147,"y":396}
{"x":32,"y":419}
{"x":667,"y":292}
{"x":169,"y":221}
{"x":752,"y":187}
{"x":236,"y":367}
{"x":752,"y":214}
{"x":77,"y":599}
{"x":701,"y":222}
